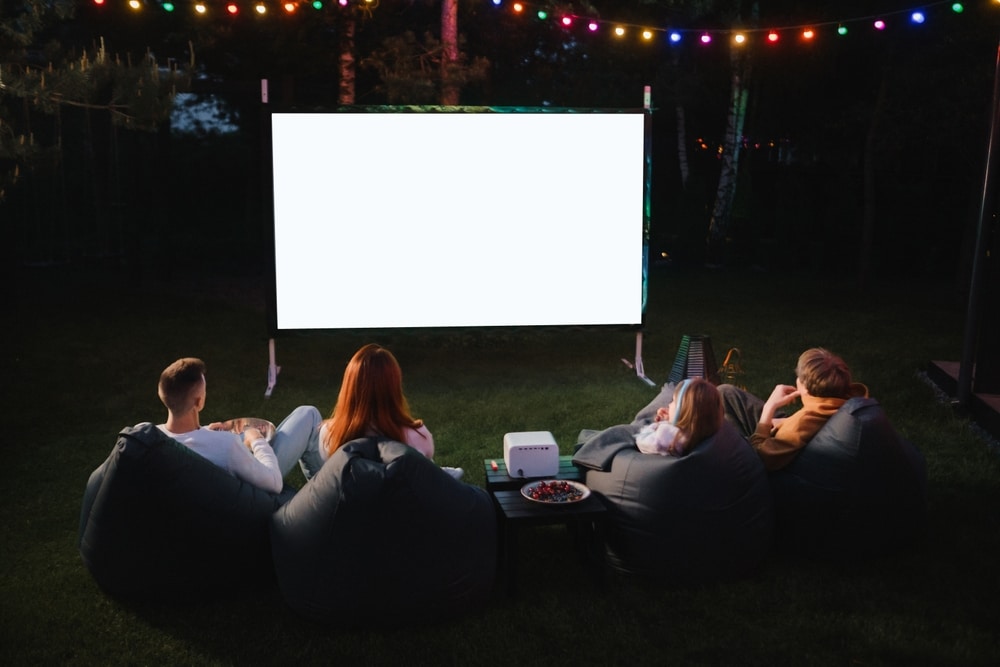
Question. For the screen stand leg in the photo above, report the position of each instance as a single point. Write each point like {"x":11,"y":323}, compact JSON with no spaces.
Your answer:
{"x":637,"y":364}
{"x":272,"y":369}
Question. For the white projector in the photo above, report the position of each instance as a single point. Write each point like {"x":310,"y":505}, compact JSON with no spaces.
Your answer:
{"x":531,"y":454}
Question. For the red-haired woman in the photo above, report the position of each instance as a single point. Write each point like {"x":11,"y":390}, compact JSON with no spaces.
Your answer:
{"x":371,"y":403}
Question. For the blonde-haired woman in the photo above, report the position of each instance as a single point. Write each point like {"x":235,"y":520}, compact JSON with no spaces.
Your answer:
{"x":695,"y":413}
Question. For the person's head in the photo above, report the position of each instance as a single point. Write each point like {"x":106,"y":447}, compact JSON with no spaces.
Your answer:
{"x":823,"y":374}
{"x":182,"y":385}
{"x":696,"y":410}
{"x":371,"y":396}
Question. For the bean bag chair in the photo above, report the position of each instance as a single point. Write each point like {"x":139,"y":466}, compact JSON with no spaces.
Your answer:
{"x":858,"y":488}
{"x":159,"y":521}
{"x":382,"y":535}
{"x":700,"y":518}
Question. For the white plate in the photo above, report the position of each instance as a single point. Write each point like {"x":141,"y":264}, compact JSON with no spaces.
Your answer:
{"x":241,"y":424}
{"x":574,"y":494}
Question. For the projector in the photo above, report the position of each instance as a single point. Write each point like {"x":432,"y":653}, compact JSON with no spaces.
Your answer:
{"x":531,"y":454}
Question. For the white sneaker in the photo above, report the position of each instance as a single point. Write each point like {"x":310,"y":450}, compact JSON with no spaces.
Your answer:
{"x":454,"y":472}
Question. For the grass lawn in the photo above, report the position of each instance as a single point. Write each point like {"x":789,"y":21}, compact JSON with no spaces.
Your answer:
{"x":86,"y":345}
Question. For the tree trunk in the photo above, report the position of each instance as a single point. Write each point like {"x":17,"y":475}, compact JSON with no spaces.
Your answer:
{"x":868,"y":224}
{"x":722,"y":213}
{"x":449,"y":52}
{"x":682,"y":154}
{"x":347,"y":59}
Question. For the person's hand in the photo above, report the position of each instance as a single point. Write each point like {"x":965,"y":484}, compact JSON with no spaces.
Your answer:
{"x":662,"y":415}
{"x":250,"y":436}
{"x":782,"y":395}
{"x":217,"y":426}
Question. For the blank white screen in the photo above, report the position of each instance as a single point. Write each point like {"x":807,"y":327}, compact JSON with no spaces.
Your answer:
{"x":391,"y":220}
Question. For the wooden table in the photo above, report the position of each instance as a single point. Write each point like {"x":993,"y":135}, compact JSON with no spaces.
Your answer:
{"x":499,"y":480}
{"x":585,"y":519}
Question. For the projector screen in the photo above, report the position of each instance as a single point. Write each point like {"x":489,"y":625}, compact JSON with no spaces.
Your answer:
{"x":471,"y":219}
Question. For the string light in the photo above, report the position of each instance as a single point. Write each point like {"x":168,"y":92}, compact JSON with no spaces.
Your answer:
{"x":917,"y":16}
{"x":771,"y":35}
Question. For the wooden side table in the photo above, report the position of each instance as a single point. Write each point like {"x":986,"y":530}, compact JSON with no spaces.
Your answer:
{"x":585,"y":519}
{"x":499,"y":480}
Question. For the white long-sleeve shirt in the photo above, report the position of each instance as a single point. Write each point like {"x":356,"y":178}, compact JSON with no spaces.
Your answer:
{"x":227,"y":451}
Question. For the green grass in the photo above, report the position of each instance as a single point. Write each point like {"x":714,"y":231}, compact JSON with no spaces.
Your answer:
{"x":87,"y":345}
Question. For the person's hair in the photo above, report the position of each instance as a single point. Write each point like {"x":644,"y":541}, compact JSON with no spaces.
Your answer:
{"x":371,"y":397}
{"x":178,"y":382}
{"x":823,"y":373}
{"x":698,"y":410}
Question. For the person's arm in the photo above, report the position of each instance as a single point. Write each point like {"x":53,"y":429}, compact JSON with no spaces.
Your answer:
{"x":782,"y":395}
{"x":261,"y":469}
{"x":421,"y":440}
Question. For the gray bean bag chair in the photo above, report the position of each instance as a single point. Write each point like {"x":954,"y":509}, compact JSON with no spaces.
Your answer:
{"x":382,"y":535}
{"x":704,"y":517}
{"x":159,"y":521}
{"x":858,"y":488}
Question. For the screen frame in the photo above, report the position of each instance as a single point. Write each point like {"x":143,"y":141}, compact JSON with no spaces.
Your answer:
{"x":269,"y":212}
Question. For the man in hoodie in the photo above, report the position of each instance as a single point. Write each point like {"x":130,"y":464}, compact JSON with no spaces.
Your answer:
{"x":823,"y":383}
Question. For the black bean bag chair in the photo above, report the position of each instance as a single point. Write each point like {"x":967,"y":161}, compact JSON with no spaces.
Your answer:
{"x":700,"y":518}
{"x":161,"y":522}
{"x":858,"y":488}
{"x":382,"y":535}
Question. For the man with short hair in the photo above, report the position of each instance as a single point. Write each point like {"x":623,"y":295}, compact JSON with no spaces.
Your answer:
{"x":823,"y":383}
{"x":183,"y":389}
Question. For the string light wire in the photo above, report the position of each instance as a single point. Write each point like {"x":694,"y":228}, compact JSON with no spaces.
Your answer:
{"x":918,"y":16}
